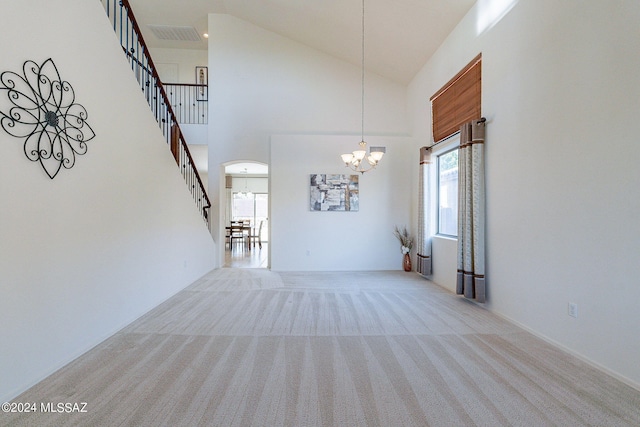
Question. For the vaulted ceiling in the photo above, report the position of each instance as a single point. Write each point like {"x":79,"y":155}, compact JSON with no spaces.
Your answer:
{"x":400,"y":35}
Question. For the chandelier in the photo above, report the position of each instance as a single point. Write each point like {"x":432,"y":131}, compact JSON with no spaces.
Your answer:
{"x":356,"y":159}
{"x":246,"y":194}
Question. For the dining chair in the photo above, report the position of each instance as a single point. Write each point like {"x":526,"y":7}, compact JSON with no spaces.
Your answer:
{"x":253,"y":236}
{"x":237,"y":233}
{"x":227,"y":237}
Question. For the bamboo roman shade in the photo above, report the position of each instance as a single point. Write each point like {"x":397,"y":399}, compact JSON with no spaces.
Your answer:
{"x":458,"y":101}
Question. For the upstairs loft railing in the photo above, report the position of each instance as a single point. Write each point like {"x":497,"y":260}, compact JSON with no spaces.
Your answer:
{"x":126,"y":28}
{"x":189,"y":102}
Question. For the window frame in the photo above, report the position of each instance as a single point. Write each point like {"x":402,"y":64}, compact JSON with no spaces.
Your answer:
{"x":448,"y":145}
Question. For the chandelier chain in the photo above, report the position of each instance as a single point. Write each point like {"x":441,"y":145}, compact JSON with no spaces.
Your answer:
{"x":362,"y":88}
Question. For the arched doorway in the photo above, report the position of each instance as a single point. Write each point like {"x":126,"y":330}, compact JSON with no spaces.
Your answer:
{"x":246,"y":201}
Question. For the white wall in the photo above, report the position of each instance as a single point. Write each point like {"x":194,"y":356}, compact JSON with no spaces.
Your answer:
{"x":184,"y":60}
{"x":444,"y":262}
{"x":305,"y":240}
{"x":195,"y":134}
{"x":86,"y":253}
{"x":560,"y":92}
{"x":263,"y":84}
{"x":249,"y":183}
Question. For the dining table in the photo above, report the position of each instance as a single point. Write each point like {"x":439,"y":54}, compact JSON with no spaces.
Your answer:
{"x":239,"y":230}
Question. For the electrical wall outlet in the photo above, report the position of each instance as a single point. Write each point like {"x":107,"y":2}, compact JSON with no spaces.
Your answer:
{"x":573,"y":309}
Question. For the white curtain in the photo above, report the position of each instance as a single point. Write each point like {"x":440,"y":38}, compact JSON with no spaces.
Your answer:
{"x":424,"y":213}
{"x":471,"y":212}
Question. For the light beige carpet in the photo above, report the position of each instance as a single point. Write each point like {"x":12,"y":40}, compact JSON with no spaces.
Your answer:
{"x":258,"y":348}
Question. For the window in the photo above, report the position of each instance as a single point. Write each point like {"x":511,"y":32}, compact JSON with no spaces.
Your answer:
{"x":447,"y":173}
{"x":457,"y":102}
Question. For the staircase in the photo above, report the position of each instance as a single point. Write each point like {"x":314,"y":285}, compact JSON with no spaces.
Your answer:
{"x":126,"y":28}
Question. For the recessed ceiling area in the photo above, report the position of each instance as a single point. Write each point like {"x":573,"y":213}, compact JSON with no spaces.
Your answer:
{"x":400,"y":35}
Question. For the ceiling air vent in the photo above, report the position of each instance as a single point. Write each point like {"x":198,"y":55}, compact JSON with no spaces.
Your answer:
{"x":168,"y":32}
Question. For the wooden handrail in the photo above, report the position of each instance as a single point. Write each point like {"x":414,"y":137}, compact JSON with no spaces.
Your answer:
{"x":163,"y":110}
{"x":183,"y":84}
{"x":175,"y":142}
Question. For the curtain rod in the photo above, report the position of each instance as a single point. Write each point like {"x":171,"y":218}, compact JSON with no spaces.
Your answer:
{"x":481,"y":120}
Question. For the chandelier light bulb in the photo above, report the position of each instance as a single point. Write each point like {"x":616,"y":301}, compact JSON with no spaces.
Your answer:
{"x":347,"y":158}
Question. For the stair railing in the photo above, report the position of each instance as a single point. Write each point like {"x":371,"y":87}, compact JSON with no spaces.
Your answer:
{"x":127,"y":29}
{"x":189,"y":102}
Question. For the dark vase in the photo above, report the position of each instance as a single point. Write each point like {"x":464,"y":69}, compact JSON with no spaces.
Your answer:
{"x":406,"y":262}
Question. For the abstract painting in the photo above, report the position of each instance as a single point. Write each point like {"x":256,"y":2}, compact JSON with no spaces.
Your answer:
{"x":334,"y":192}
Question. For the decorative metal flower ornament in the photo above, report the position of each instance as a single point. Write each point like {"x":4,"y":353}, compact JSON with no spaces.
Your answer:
{"x":40,"y":107}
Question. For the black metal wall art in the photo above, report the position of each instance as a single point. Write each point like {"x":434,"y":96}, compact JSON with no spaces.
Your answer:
{"x":41,"y":108}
